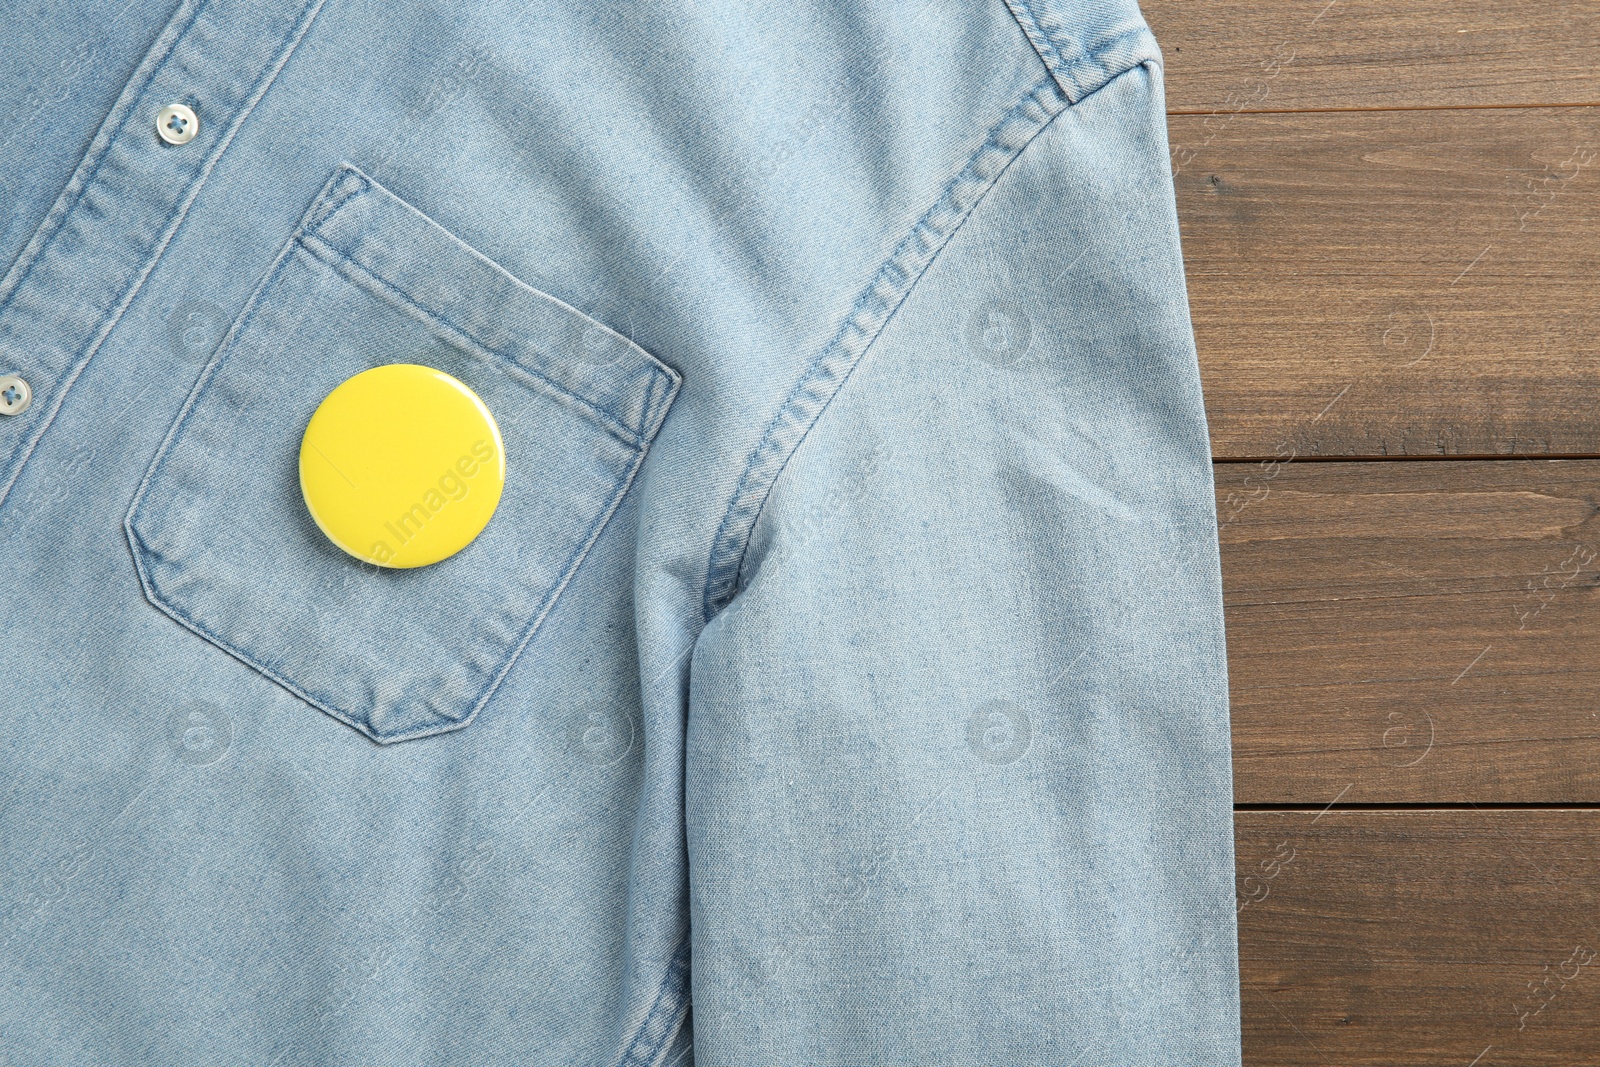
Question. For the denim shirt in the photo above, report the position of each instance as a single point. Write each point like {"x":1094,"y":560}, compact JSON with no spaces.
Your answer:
{"x":840,"y":679}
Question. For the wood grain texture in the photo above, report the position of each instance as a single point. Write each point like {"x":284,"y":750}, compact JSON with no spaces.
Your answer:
{"x":1413,"y":632}
{"x":1224,"y":55}
{"x":1420,"y":938}
{"x":1397,"y":283}
{"x":1391,"y":226}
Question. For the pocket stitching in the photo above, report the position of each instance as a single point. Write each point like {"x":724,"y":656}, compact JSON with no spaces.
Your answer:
{"x":315,"y":219}
{"x":442,"y":724}
{"x":382,"y":289}
{"x":653,"y":411}
{"x":140,"y":550}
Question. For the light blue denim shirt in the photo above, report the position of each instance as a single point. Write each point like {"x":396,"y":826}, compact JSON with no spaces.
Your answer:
{"x":841,"y":678}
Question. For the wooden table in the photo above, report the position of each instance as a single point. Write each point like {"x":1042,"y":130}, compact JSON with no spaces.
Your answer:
{"x":1389,"y":217}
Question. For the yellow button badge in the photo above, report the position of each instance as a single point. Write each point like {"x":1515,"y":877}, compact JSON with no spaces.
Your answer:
{"x":402,"y":465}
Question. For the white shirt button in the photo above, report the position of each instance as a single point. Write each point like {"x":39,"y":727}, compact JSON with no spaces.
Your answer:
{"x":177,"y":124}
{"x":15,"y":396}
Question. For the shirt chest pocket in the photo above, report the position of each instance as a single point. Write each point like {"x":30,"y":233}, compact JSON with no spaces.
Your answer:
{"x":219,"y":529}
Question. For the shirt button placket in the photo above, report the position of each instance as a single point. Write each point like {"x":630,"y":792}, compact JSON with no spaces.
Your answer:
{"x":128,"y":196}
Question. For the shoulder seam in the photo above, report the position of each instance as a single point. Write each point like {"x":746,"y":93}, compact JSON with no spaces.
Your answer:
{"x":1079,"y":67}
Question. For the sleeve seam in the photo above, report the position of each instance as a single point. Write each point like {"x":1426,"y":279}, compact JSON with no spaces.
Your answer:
{"x":883,"y":295}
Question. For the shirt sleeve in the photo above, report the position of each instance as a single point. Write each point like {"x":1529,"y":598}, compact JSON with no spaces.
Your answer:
{"x":957,"y":767}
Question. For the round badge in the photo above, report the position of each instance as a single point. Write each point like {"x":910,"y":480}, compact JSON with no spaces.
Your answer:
{"x":402,"y":465}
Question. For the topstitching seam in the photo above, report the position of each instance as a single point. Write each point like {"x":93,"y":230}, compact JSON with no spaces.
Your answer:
{"x":890,"y":286}
{"x":872,"y":310}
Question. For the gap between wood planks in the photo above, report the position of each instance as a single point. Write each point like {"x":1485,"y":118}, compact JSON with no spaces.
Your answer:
{"x":1357,"y":458}
{"x":1426,"y":805}
{"x":1208,"y":112}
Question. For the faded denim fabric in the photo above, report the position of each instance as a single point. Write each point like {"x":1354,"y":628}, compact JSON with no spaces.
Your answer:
{"x":841,"y":679}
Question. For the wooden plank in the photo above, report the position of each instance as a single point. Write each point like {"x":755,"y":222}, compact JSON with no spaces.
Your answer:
{"x":1397,"y":283}
{"x":1413,"y":632}
{"x":1421,"y":938}
{"x":1223,"y":55}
